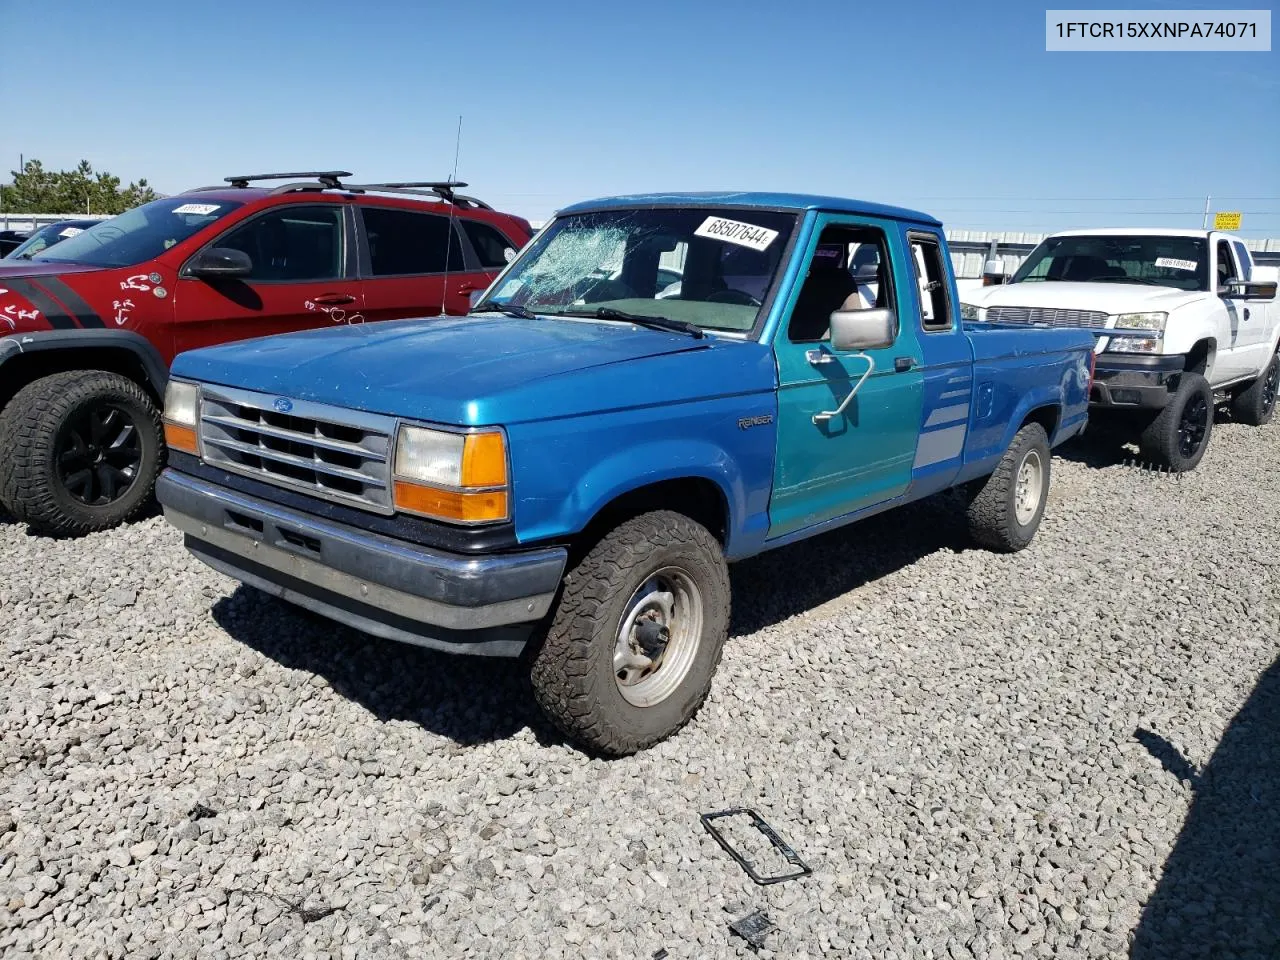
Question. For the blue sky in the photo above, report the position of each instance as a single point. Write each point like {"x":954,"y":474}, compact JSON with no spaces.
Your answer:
{"x":954,"y":108}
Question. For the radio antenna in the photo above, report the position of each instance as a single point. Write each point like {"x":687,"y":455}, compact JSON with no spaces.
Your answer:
{"x":448,"y":245}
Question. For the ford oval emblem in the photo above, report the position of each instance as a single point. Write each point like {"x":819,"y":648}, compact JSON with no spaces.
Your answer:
{"x":282,"y":404}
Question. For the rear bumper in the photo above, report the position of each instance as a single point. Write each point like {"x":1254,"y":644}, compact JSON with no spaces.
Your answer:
{"x":461,"y":604}
{"x":1135,"y":381}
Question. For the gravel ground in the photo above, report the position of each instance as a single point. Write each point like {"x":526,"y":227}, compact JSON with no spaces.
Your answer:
{"x":980,"y":755}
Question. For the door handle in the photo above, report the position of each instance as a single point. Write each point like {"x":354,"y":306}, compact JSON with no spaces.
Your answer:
{"x":466,"y":288}
{"x":831,"y":414}
{"x":817,"y":357}
{"x":1246,"y":313}
{"x":334,"y":299}
{"x":903,"y":364}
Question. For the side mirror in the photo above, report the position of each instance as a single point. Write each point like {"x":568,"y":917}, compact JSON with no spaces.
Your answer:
{"x":993,"y":273}
{"x":1251,"y":289}
{"x":863,"y":329}
{"x":217,"y":263}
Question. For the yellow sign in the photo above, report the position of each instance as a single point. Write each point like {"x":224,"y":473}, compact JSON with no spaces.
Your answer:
{"x":1227,"y":221}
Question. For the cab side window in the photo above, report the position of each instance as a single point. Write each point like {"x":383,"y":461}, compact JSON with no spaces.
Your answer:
{"x":1246,"y":261}
{"x":291,"y":243}
{"x":832,"y":283}
{"x":1226,"y":266}
{"x":931,"y":283}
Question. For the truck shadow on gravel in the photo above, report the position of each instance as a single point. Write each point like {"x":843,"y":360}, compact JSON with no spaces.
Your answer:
{"x":1219,"y":892}
{"x":474,"y":700}
{"x":1114,"y":444}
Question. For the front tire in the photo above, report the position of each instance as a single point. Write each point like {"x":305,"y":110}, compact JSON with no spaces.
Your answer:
{"x":1179,"y":435}
{"x":1006,"y":508}
{"x":1256,"y":403}
{"x":79,"y":452}
{"x":636,"y":636}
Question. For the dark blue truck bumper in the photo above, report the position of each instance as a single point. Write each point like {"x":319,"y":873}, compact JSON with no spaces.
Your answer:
{"x":484,"y":604}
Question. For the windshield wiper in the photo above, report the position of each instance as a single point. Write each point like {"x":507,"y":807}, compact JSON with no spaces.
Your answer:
{"x":640,"y":320}
{"x":1154,"y":283}
{"x":510,"y":309}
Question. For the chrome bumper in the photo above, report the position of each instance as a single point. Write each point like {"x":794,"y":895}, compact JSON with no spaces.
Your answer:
{"x":382,"y":586}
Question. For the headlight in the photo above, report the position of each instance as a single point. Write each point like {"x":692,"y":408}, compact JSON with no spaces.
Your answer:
{"x":461,"y":477}
{"x":1138,"y":321}
{"x":181,"y":414}
{"x":968,"y":312}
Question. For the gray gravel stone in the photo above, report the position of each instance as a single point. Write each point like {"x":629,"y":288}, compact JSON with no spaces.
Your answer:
{"x":981,"y":756}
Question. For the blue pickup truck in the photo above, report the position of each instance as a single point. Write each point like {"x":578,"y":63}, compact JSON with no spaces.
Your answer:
{"x":655,"y":387}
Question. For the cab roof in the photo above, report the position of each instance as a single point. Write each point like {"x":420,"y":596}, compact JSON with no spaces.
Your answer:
{"x":1136,"y":232}
{"x":771,"y":201}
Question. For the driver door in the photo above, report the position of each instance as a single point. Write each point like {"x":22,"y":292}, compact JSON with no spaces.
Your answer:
{"x":303,"y":276}
{"x":827,"y":468}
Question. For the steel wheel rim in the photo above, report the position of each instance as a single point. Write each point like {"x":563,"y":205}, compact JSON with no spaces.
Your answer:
{"x":1028,"y":487}
{"x":1269,"y":386}
{"x":649,"y":668}
{"x":98,"y":454}
{"x":1193,"y":425}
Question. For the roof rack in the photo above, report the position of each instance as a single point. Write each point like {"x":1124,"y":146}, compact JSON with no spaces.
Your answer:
{"x":327,"y":178}
{"x":442,"y":189}
{"x":445,"y":190}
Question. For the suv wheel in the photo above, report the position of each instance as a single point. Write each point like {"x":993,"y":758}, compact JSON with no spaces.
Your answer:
{"x":1178,"y":437}
{"x":79,"y":452}
{"x":1256,"y":403}
{"x":636,"y":636}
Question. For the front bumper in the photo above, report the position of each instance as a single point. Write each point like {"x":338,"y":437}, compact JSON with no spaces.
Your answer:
{"x":1135,"y":381}
{"x":461,"y":604}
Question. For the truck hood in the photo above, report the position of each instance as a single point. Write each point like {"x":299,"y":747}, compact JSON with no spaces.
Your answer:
{"x":479,"y":370}
{"x":1110,"y":298}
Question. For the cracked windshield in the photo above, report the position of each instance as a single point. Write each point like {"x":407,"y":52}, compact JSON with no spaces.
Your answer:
{"x":711,"y":271}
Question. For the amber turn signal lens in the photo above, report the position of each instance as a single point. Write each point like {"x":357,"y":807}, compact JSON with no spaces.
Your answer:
{"x":465,"y":507}
{"x":484,"y":460}
{"x":179,"y":437}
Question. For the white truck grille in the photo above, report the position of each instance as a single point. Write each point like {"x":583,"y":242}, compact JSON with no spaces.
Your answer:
{"x":1047,"y":316}
{"x":329,"y":452}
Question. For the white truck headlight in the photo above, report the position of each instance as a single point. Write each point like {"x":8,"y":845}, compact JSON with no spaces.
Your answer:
{"x":969,"y":312}
{"x":460,"y":477}
{"x":1153,"y":322}
{"x":181,"y":415}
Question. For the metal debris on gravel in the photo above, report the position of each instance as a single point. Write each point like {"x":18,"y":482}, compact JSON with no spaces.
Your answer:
{"x":980,"y":755}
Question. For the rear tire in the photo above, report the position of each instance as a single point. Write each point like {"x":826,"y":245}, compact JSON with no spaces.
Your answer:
{"x":1005,"y":510}
{"x":1179,"y":435}
{"x":592,"y":677}
{"x":1256,"y":403}
{"x":79,"y":452}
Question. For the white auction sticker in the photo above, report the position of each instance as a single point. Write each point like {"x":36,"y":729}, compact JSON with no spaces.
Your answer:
{"x":1174,"y":264}
{"x":201,"y":209}
{"x":734,"y":231}
{"x":69,"y":231}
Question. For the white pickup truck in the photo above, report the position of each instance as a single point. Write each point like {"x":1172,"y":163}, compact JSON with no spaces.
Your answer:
{"x":1184,"y":319}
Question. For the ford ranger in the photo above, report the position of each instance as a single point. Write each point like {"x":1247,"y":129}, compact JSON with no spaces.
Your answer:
{"x":566,"y":473}
{"x":1197,"y":320}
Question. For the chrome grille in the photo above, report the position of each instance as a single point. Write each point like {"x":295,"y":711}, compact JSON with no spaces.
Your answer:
{"x":330,"y":452}
{"x":1047,"y":316}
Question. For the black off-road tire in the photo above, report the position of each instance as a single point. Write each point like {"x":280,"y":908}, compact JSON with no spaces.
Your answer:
{"x":572,"y":672}
{"x":1256,"y":403}
{"x":1164,"y":442}
{"x":993,"y":505}
{"x":32,"y":426}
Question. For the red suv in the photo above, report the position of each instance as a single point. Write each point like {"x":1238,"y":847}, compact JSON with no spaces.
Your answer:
{"x":89,"y":326}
